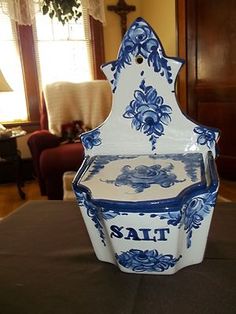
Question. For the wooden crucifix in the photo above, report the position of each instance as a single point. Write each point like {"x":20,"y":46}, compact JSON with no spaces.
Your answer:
{"x":122,"y":9}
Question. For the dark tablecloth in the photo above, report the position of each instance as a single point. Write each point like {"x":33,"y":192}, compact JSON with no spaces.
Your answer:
{"x":47,"y":265}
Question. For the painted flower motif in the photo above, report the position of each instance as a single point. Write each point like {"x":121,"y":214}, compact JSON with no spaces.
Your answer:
{"x":193,"y":218}
{"x":140,"y":40}
{"x":134,"y":42}
{"x":194,"y":212}
{"x":142,"y":177}
{"x":102,"y":160}
{"x":138,"y":33}
{"x":191,"y":214}
{"x":91,"y":139}
{"x":174,"y":218}
{"x":93,"y":212}
{"x":148,"y":260}
{"x":148,"y":112}
{"x":192,"y":162}
{"x":206,"y":136}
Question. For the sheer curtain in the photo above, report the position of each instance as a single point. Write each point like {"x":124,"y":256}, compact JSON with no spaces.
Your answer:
{"x":23,"y":11}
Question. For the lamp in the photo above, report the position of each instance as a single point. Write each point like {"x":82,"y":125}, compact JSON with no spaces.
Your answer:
{"x":4,"y":87}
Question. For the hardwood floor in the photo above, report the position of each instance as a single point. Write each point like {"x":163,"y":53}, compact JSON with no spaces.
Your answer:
{"x":10,"y":200}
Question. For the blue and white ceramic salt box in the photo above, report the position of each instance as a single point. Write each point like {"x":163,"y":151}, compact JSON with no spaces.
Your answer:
{"x":148,"y":184}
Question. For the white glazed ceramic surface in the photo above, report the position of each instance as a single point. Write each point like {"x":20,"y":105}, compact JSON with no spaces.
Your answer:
{"x":148,"y":184}
{"x":143,"y":177}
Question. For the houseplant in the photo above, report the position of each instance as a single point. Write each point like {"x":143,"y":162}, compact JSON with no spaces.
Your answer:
{"x":63,"y":10}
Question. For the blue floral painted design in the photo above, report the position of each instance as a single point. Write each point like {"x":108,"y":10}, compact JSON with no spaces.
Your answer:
{"x":110,"y":213}
{"x":140,"y":40}
{"x":91,"y":139}
{"x":195,"y":210}
{"x":148,"y":112}
{"x":96,"y":213}
{"x":146,"y":261}
{"x":191,"y":214}
{"x":101,"y":160}
{"x":192,"y":162}
{"x":174,"y":218}
{"x":93,"y":212}
{"x":142,"y":177}
{"x":206,"y":136}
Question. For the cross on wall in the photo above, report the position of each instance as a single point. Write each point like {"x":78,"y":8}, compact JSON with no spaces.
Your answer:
{"x":122,"y":9}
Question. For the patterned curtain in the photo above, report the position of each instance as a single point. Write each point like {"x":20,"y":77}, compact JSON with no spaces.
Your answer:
{"x":23,"y":11}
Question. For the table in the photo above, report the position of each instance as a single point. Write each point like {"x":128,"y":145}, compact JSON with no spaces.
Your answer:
{"x":47,"y":265}
{"x":9,"y":152}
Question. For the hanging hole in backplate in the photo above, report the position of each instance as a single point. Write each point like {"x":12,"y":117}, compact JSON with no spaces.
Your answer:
{"x":139,"y":59}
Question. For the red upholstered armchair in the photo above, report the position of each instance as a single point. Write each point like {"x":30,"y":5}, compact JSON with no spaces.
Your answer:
{"x":64,"y":102}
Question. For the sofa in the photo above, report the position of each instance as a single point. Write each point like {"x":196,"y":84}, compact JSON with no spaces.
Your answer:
{"x":64,"y":104}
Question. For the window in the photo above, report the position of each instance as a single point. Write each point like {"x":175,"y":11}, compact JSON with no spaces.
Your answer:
{"x":34,"y":56}
{"x":63,"y":52}
{"x":12,"y":104}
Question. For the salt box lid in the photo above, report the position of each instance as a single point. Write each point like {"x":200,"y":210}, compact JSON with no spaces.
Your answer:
{"x":111,"y":179}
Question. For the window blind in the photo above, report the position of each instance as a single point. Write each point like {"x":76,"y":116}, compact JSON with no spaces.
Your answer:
{"x":63,"y":52}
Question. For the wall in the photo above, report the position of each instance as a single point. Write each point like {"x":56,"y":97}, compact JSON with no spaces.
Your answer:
{"x":112,"y":31}
{"x":159,"y":13}
{"x":161,"y":16}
